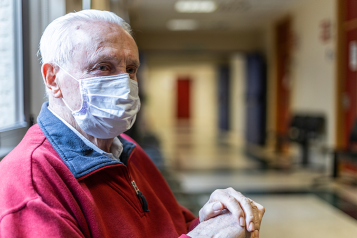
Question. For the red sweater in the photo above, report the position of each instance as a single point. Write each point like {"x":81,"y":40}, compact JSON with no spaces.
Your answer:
{"x":53,"y":185}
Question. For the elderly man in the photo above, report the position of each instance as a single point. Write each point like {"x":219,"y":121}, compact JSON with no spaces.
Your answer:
{"x":73,"y":175}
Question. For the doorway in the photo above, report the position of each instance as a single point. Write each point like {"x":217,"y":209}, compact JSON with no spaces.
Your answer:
{"x":183,"y":98}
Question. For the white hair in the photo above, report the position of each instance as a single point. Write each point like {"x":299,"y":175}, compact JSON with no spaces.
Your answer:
{"x":57,"y":45}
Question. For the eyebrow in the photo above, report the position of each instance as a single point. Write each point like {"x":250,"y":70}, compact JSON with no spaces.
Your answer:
{"x":136,"y":63}
{"x":94,"y":61}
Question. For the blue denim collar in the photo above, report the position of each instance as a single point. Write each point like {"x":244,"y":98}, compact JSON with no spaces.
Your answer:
{"x":79,"y":157}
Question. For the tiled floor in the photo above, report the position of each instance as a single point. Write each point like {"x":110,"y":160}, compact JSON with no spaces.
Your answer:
{"x":304,"y":216}
{"x":199,"y":161}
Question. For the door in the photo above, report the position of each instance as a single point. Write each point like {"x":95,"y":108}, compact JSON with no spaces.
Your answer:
{"x":223,"y":98}
{"x":183,"y":98}
{"x":255,"y":100}
{"x":347,"y":71}
{"x":283,"y":55}
{"x":349,"y":94}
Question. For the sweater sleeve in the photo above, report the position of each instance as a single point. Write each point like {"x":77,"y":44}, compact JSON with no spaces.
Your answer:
{"x":191,"y":221}
{"x":35,"y":219}
{"x":191,"y":225}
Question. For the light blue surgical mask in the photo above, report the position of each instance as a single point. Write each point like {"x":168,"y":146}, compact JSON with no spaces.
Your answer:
{"x":109,"y":105}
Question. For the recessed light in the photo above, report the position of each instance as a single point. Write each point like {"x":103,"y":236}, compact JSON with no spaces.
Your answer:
{"x":204,"y":6}
{"x":182,"y":25}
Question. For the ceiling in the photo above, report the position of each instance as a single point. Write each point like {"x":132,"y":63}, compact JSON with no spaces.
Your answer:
{"x":153,"y":15}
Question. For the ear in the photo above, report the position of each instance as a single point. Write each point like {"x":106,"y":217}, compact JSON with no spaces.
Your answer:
{"x":49,"y":75}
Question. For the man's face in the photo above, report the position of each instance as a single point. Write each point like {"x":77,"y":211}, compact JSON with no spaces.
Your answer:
{"x":101,"y":49}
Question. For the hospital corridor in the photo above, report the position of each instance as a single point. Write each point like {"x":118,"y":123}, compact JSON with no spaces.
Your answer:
{"x":255,"y":95}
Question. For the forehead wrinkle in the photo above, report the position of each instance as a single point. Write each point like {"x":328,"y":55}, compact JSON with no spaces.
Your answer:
{"x":120,"y":57}
{"x":96,"y":48}
{"x":81,"y":44}
{"x":94,"y":39}
{"x":102,"y":34}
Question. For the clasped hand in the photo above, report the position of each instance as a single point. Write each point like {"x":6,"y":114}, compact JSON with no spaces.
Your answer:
{"x":248,"y":214}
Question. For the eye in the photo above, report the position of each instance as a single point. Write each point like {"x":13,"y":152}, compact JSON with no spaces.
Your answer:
{"x":131,"y":70}
{"x":103,"y":68}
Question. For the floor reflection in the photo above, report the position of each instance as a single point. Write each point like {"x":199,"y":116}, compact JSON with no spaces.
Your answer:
{"x":300,"y":202}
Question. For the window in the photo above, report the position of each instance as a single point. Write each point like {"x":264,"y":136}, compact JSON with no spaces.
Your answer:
{"x":11,"y":68}
{"x":12,"y":118}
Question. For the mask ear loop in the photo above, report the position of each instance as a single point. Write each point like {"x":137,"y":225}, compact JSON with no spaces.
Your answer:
{"x":67,"y":105}
{"x":62,"y":95}
{"x":68,"y":73}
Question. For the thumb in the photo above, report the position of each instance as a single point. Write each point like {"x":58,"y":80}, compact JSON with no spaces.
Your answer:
{"x":210,"y":210}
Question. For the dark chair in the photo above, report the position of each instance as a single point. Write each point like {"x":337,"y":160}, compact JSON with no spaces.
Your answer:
{"x":350,"y":154}
{"x":303,"y":129}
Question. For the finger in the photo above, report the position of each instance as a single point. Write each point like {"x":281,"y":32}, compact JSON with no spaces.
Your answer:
{"x":210,"y":210}
{"x":259,"y":211}
{"x":258,"y":216}
{"x":253,"y":220}
{"x":231,"y":203}
{"x":257,"y":220}
{"x":251,"y":235}
{"x":248,"y":208}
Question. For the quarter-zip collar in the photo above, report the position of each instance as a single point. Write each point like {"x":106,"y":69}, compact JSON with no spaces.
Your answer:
{"x":79,"y":157}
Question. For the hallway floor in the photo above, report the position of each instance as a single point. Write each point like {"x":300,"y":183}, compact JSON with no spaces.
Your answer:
{"x":299,"y":202}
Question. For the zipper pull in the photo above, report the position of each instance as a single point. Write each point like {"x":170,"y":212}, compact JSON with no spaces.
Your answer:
{"x":141,"y":197}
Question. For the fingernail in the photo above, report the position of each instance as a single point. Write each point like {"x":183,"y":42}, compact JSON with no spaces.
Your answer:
{"x":251,"y":226}
{"x":241,"y":221}
{"x":256,"y":234}
{"x":217,"y":206}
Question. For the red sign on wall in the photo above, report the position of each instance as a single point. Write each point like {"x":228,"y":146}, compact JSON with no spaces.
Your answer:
{"x":325,"y":31}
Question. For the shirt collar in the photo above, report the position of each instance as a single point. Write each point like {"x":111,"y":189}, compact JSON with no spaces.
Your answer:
{"x":80,"y":158}
{"x":115,"y":149}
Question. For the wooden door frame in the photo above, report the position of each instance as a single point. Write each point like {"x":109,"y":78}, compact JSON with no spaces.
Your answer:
{"x":340,"y":74}
{"x":280,"y":146}
{"x":342,"y":27}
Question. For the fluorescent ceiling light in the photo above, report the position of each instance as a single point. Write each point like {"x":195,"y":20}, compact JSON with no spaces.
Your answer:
{"x":182,"y":25}
{"x":204,"y":6}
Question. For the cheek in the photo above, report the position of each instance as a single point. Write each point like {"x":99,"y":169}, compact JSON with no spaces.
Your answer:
{"x":71,"y":94}
{"x":77,"y":100}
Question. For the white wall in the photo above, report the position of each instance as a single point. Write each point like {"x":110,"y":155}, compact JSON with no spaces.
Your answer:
{"x":313,"y":69}
{"x":237,"y":94}
{"x":161,"y":94}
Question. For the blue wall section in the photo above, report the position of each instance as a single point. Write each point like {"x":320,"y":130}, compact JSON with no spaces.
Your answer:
{"x":256,"y":90}
{"x":223,"y":98}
